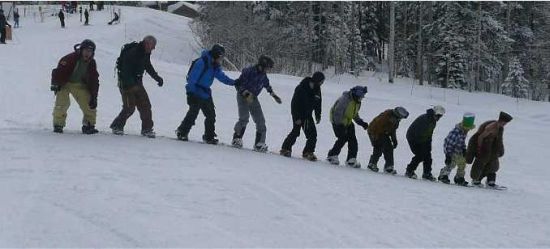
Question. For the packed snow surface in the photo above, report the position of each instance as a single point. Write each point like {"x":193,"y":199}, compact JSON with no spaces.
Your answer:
{"x":74,"y":190}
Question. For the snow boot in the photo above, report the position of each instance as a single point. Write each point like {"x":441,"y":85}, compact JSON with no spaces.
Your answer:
{"x":89,"y":129}
{"x":352,"y":162}
{"x":260,"y":147}
{"x":285,"y":153}
{"x":372,"y":167}
{"x":181,"y":136}
{"x":333,"y":160}
{"x":309,"y":156}
{"x":58,"y":129}
{"x":117,"y":130}
{"x":428,"y":177}
{"x":148,"y":133}
{"x":445,"y":179}
{"x":460,"y":181}
{"x":390,"y":170}
{"x":210,"y":140}
{"x":237,"y":142}
{"x":411,"y":174}
{"x":477,"y":183}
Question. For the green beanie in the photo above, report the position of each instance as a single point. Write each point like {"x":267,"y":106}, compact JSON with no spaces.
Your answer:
{"x":468,"y":121}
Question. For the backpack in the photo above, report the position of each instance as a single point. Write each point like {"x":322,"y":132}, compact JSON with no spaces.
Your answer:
{"x":123,"y":51}
{"x":205,"y":61}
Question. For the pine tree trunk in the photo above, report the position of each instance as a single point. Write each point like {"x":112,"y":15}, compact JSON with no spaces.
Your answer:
{"x":419,"y":66}
{"x":478,"y":61}
{"x":430,"y":50}
{"x":392,"y":42}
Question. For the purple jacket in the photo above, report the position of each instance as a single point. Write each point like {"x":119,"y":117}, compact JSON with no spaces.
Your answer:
{"x":253,"y":80}
{"x":455,"y":142}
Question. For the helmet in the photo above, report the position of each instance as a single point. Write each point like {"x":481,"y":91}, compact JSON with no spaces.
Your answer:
{"x":400,"y":112}
{"x":217,"y":50}
{"x":438,"y":110}
{"x":318,"y":77}
{"x":87,"y":44}
{"x":359,"y":91}
{"x":265,"y":62}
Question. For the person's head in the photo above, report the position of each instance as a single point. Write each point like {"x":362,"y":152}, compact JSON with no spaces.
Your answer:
{"x":149,"y":43}
{"x":358,"y":93}
{"x":400,"y":112}
{"x":318,"y":78}
{"x":439,"y":111}
{"x":504,"y":118}
{"x":217,"y":52}
{"x":265,"y":63}
{"x":87,"y":49}
{"x":468,"y":122}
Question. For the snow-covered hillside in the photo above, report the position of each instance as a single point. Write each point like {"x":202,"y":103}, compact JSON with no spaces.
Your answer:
{"x":74,"y":190}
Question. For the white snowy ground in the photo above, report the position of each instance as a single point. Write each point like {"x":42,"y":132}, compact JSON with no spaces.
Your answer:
{"x":73,"y":190}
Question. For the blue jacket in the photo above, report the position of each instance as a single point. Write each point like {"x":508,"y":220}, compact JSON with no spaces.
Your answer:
{"x":455,"y":142}
{"x":201,"y":87}
{"x":254,"y":81}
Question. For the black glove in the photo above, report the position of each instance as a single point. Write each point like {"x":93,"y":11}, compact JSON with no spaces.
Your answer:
{"x":365,"y":125}
{"x":55,"y":88}
{"x":276,"y":98}
{"x":317,"y":119}
{"x":93,"y":103}
{"x":160,"y":81}
{"x":394,"y":144}
{"x":448,"y":159}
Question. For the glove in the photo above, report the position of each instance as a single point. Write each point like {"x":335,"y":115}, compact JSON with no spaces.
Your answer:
{"x":365,"y":126}
{"x":55,"y":88}
{"x":277,"y":99}
{"x":298,"y":122}
{"x":317,"y":119}
{"x":448,"y":159}
{"x":93,"y":103}
{"x":160,"y":81}
{"x":395,"y":144}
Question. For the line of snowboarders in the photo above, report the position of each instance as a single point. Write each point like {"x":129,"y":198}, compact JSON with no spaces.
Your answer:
{"x":76,"y":74}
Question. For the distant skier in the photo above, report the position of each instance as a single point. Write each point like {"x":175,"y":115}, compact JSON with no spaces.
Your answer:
{"x":61,"y":18}
{"x":306,"y":100}
{"x":115,"y":19}
{"x":134,"y":59}
{"x":342,"y":114}
{"x":16,"y":18}
{"x":249,"y":85}
{"x":76,"y":74}
{"x":80,"y":11}
{"x":199,"y":95}
{"x":3,"y":23}
{"x":382,"y":136}
{"x":86,"y":17}
{"x":419,"y":136}
{"x":486,"y":146}
{"x":455,"y":151}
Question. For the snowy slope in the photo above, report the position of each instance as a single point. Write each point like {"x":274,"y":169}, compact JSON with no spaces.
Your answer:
{"x":72,"y":190}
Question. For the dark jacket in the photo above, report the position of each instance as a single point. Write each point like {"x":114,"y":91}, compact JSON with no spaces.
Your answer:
{"x":200,"y":80}
{"x":3,"y":21}
{"x":253,"y":80}
{"x":487,"y":143}
{"x":385,"y":124}
{"x":422,"y":129}
{"x":306,"y":100}
{"x":61,"y":15}
{"x":133,"y":63}
{"x":65,"y":67}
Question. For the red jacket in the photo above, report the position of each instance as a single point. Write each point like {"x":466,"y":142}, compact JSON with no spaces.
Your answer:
{"x":65,"y":67}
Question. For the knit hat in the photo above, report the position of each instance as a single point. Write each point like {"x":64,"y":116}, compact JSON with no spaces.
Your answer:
{"x":318,"y":77}
{"x":505,"y":117}
{"x":359,"y":91}
{"x":217,"y":51}
{"x":468,"y":121}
